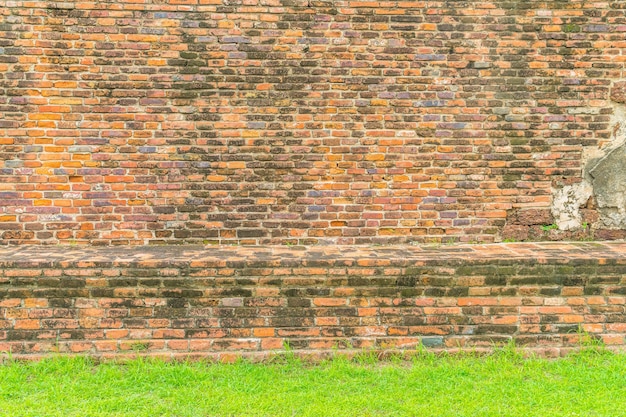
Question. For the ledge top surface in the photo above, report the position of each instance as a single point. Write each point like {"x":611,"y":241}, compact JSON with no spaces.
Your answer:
{"x":276,"y":255}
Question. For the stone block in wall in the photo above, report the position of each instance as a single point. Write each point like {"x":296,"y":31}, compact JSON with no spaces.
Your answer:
{"x":618,"y":92}
{"x":530,"y":217}
{"x":515,"y":232}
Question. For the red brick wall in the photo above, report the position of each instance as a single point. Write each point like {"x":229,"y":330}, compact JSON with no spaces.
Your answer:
{"x":254,"y":301}
{"x":303,"y":121}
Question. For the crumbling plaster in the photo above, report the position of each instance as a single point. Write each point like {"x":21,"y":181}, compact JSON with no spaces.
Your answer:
{"x":604,"y":177}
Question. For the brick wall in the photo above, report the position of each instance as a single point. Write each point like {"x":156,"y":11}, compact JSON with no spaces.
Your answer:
{"x":301,"y":121}
{"x":180,"y":301}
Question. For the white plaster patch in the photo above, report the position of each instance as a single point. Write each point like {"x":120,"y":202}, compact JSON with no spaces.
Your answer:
{"x":566,"y":204}
{"x":603,"y":179}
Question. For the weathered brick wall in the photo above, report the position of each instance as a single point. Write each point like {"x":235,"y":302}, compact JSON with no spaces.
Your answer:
{"x":304,"y":121}
{"x":253,"y":301}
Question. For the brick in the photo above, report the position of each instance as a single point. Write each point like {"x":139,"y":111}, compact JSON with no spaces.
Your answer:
{"x":329,"y":302}
{"x":26,"y":324}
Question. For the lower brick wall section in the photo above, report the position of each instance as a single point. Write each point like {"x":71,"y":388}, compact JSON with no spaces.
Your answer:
{"x":222,"y":302}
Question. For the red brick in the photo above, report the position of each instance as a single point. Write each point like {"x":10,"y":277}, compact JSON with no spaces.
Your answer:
{"x":329,"y":302}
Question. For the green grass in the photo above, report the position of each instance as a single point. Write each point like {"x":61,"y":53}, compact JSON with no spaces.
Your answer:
{"x":590,"y":383}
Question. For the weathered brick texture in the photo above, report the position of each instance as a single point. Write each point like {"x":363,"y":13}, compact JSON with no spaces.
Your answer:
{"x":303,"y":121}
{"x":253,"y":301}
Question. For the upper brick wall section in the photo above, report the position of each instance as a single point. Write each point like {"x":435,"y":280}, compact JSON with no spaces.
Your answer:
{"x":303,"y":121}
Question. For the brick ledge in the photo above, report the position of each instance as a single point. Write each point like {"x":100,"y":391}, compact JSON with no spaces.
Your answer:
{"x":240,"y":256}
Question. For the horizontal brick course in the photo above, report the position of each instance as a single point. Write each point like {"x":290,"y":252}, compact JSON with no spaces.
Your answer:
{"x":219,"y":301}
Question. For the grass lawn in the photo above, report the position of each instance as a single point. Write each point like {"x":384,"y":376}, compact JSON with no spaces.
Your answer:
{"x":590,"y":383}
